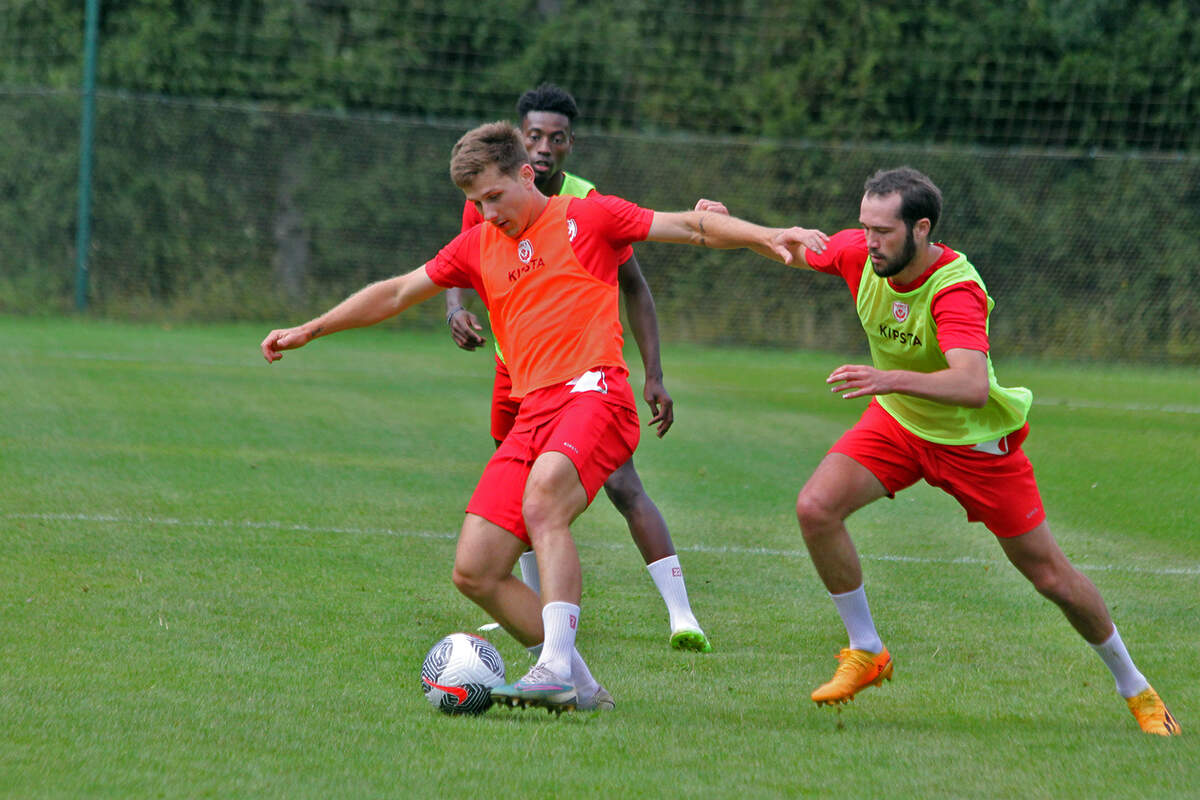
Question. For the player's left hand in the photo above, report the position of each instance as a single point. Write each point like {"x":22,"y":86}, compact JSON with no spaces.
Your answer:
{"x":715,"y":206}
{"x":661,"y":406}
{"x":858,"y":380}
{"x":789,"y":241}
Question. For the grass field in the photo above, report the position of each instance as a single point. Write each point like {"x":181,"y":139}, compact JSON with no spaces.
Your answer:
{"x":218,"y":579}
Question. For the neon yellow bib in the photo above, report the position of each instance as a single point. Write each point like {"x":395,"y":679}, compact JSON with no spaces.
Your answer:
{"x":573,"y":186}
{"x":903,"y":335}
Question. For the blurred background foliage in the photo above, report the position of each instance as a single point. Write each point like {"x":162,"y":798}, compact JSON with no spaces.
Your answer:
{"x":260,"y":159}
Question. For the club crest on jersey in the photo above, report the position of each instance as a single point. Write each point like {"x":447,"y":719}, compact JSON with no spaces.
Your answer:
{"x":572,"y":229}
{"x":900,"y":311}
{"x":525,"y":251}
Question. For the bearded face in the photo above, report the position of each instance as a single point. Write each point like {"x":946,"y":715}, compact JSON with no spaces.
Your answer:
{"x":886,"y":265}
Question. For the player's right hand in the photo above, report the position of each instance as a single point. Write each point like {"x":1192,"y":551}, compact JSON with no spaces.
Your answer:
{"x":464,"y":327}
{"x":283,"y":339}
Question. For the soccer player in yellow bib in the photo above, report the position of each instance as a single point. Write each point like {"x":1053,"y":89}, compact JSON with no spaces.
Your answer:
{"x":937,"y":413}
{"x":547,"y":115}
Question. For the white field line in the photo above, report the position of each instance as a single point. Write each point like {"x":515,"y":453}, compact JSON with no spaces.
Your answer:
{"x":277,"y":525}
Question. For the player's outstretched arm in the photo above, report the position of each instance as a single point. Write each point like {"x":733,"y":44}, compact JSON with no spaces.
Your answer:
{"x":723,"y":232}
{"x":643,"y":321}
{"x":369,"y":305}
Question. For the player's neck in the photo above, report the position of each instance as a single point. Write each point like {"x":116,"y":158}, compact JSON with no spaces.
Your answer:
{"x":922,"y":261}
{"x":553,"y":185}
{"x":537,"y":205}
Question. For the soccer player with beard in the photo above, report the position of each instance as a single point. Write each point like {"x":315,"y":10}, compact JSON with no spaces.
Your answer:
{"x":937,"y":413}
{"x":547,"y":117}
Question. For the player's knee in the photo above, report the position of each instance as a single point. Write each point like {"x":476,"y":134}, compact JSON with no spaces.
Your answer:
{"x":542,"y":512}
{"x":1053,"y":578}
{"x":464,"y":582}
{"x":814,"y":514}
{"x":624,"y":488}
{"x":547,"y":505}
{"x":625,"y":495}
{"x":536,"y":506}
{"x":472,"y":583}
{"x":1052,"y":583}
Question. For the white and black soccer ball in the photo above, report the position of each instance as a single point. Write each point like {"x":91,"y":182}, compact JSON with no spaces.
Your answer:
{"x":459,"y":673}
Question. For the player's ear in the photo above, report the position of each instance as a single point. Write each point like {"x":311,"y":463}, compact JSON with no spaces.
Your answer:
{"x":526,"y":174}
{"x":921,"y":228}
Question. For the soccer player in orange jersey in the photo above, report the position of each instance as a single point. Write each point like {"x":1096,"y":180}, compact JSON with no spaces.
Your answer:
{"x":546,"y":267}
{"x":547,"y":117}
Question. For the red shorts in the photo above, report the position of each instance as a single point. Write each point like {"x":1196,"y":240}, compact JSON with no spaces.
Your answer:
{"x":996,"y":489}
{"x":597,"y":430}
{"x":504,"y":408}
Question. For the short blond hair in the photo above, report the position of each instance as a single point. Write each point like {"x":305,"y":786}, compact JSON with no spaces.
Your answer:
{"x":496,"y":143}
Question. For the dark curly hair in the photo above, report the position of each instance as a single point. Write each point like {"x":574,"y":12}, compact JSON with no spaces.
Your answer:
{"x":548,"y":97}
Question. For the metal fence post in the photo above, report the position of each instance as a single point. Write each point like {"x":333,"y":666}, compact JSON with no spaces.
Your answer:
{"x":83,"y":230}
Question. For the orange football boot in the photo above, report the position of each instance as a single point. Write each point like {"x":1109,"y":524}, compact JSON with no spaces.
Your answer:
{"x":857,"y":670}
{"x":1152,"y":715}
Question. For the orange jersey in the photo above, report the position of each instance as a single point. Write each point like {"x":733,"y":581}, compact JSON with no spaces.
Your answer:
{"x":552,"y":292}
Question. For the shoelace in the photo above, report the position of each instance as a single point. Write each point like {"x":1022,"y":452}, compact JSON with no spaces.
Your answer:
{"x":851,"y":662}
{"x":540,"y":674}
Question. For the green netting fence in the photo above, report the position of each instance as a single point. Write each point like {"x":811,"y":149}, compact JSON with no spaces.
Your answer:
{"x":260,"y":159}
{"x":208,"y":211}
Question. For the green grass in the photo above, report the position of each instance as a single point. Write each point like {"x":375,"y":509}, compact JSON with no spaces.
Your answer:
{"x":219,"y":579}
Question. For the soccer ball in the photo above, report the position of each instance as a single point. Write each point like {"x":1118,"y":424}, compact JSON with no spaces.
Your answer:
{"x":459,"y":673}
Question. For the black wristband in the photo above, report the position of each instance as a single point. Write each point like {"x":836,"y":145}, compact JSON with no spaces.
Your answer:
{"x":450,"y":314}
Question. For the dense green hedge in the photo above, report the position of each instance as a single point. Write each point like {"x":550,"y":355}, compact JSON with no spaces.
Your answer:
{"x":207,"y":205}
{"x":1071,"y":73}
{"x":213,"y":212}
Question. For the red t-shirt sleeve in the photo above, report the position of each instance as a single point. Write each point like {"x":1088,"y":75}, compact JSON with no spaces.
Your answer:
{"x":845,"y":254}
{"x":960,"y":311}
{"x":471,"y":216}
{"x":620,"y":222}
{"x":457,"y":264}
{"x":605,"y":222}
{"x":625,"y":254}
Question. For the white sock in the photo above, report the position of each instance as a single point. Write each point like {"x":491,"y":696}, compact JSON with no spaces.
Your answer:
{"x":856,"y":616}
{"x":535,"y":652}
{"x":581,"y":676}
{"x":560,"y":622}
{"x":668,"y":577}
{"x":529,"y":571}
{"x":1130,"y":682}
